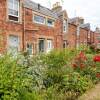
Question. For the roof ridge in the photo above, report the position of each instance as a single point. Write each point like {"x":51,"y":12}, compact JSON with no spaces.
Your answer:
{"x":33,"y":5}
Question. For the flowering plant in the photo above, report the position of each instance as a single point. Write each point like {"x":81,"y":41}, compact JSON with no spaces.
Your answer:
{"x":79,"y":61}
{"x":96,"y":58}
{"x":98,"y":75}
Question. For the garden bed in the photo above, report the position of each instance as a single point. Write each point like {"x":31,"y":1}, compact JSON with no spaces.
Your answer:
{"x":58,"y":75}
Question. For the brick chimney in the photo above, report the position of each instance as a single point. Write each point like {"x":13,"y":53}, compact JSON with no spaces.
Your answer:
{"x":57,"y":7}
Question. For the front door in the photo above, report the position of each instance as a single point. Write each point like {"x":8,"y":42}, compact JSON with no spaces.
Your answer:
{"x":49,"y":45}
{"x":41,"y":45}
{"x":13,"y":45}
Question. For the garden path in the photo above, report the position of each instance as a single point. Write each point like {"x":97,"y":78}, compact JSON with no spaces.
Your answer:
{"x":93,"y":94}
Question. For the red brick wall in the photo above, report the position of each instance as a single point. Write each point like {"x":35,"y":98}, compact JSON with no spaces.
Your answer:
{"x":28,"y":31}
{"x":92,"y":36}
{"x":97,"y":39}
{"x":83,"y":36}
{"x":37,"y":31}
{"x":71,"y":35}
{"x":7,"y":27}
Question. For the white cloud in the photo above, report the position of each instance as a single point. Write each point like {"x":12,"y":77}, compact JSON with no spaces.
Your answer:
{"x":89,"y":9}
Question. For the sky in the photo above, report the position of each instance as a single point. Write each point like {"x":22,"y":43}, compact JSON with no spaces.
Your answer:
{"x":88,"y":9}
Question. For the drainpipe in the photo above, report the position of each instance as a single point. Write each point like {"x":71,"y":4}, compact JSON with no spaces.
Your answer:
{"x":88,"y":39}
{"x":77,"y":36}
{"x":23,"y":35}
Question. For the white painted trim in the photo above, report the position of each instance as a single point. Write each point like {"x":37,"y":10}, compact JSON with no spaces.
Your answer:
{"x":39,"y":22}
{"x":27,"y":48}
{"x":12,"y":14}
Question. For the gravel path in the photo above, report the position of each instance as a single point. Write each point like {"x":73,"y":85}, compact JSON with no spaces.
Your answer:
{"x":93,"y":94}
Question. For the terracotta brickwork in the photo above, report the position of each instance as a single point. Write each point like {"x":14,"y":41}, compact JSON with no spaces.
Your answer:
{"x":30,"y":32}
{"x":71,"y":36}
{"x":83,"y":36}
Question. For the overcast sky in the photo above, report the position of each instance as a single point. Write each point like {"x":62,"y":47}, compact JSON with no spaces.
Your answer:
{"x":89,"y":9}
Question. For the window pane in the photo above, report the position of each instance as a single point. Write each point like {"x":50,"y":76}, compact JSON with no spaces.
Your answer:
{"x":10,"y":4}
{"x":29,"y":49}
{"x":41,"y":46}
{"x":64,"y":26}
{"x":16,"y":7}
{"x":49,"y":45}
{"x":13,"y":7}
{"x":50,"y":22}
{"x":39,"y":19}
{"x":13,"y":41}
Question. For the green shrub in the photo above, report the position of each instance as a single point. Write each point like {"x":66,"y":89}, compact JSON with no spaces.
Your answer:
{"x":46,"y":76}
{"x":76,"y":82}
{"x":16,"y":80}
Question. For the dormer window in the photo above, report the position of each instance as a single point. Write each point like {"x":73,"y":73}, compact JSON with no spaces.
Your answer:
{"x":13,"y":10}
{"x":64,"y":26}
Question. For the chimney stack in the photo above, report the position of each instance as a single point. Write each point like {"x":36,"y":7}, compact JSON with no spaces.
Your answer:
{"x":57,"y":7}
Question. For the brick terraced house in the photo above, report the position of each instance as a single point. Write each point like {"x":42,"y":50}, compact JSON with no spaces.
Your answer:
{"x":28,"y":26}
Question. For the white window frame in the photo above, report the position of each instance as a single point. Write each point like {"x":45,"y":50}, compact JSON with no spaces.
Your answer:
{"x":13,"y":8}
{"x":49,"y":45}
{"x":44,"y":44}
{"x":65,"y":24}
{"x":28,"y":48}
{"x":52,"y":22}
{"x":39,"y":16}
{"x":78,"y":30}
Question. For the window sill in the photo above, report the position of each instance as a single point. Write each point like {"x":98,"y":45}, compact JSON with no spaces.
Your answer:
{"x":65,"y":32}
{"x":39,"y":23}
{"x":51,"y":26}
{"x":16,"y":22}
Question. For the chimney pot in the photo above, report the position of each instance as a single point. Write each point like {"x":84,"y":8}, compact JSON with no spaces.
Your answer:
{"x":57,"y":7}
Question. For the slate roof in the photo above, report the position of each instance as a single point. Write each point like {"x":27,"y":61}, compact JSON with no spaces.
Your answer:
{"x":43,"y":10}
{"x":86,"y":26}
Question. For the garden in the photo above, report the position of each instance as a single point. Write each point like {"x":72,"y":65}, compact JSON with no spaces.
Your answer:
{"x":59,"y":75}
